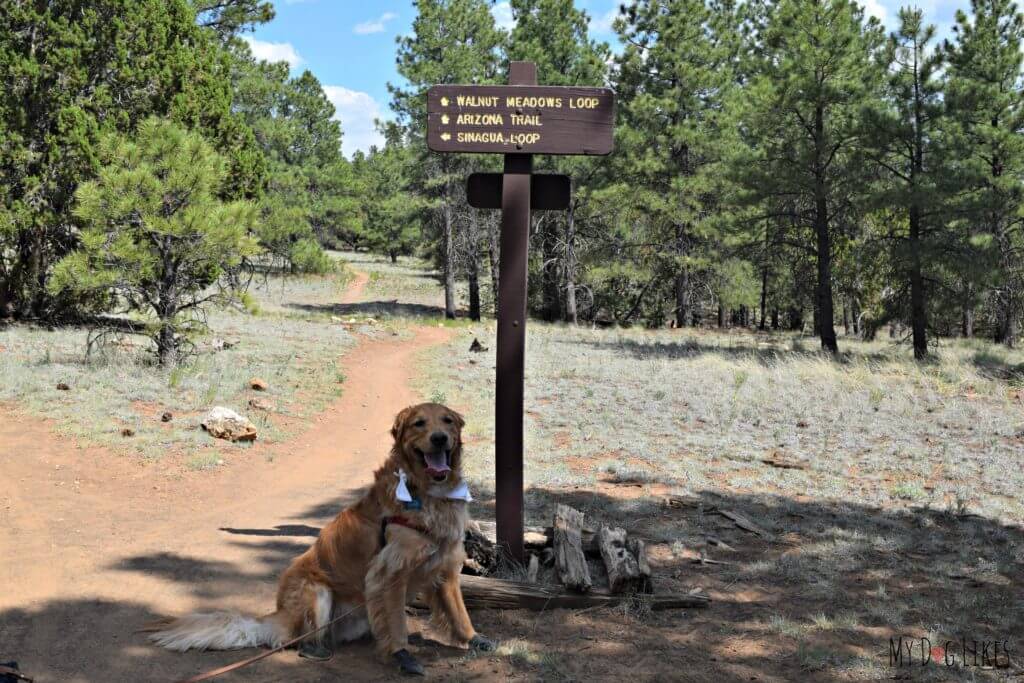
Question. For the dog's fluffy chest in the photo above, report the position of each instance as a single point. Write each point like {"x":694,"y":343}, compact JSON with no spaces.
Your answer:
{"x":445,"y":519}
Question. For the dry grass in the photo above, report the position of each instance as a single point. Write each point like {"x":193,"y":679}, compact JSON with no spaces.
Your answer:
{"x":296,"y":350}
{"x":702,"y":410}
{"x":905,"y":519}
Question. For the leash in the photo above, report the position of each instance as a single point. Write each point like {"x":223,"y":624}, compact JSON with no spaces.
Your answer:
{"x":263,"y":655}
{"x":241,"y":664}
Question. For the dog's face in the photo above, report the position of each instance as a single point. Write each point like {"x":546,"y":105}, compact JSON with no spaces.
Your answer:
{"x":428,"y":437}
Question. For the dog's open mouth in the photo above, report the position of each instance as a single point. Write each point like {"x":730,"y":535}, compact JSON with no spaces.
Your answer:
{"x":436,"y":463}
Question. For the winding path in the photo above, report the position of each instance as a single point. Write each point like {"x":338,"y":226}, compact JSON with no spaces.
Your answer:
{"x":93,"y":546}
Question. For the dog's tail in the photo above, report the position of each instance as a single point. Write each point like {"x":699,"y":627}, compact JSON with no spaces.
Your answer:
{"x":218,"y":631}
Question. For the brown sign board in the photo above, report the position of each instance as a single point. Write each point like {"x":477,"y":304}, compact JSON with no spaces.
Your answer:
{"x":520,"y":119}
{"x":548,"y":192}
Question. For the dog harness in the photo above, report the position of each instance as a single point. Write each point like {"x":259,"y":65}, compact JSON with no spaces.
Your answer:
{"x":400,"y":520}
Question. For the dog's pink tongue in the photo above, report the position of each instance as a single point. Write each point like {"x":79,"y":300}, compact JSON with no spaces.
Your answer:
{"x":437,"y":463}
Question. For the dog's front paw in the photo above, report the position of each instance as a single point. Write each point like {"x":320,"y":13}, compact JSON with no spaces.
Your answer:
{"x":407,"y":664}
{"x":311,"y":649}
{"x":482,"y":644}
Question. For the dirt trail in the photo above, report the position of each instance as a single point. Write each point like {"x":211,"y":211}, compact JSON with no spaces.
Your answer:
{"x":355,"y":290}
{"x":94,"y":545}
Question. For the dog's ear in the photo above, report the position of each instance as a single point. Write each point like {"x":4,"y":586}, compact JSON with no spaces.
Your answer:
{"x":460,"y":422}
{"x":400,"y":421}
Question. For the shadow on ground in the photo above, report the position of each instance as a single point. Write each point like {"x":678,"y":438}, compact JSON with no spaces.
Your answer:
{"x":769,"y":352}
{"x":817,"y":601}
{"x":377,"y":309}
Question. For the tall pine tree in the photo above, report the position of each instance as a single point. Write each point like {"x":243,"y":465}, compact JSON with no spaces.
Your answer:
{"x":553,"y":34}
{"x":818,"y":69}
{"x":908,"y":131}
{"x":452,"y":41}
{"x":986,"y":99}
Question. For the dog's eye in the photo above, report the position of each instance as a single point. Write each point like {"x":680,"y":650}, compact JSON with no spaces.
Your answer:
{"x":419,"y":423}
{"x":447,"y":420}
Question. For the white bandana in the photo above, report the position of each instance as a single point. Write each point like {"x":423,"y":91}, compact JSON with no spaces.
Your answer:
{"x":460,"y":492}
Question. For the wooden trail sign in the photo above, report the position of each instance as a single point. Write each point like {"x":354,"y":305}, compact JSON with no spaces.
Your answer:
{"x":518,"y":120}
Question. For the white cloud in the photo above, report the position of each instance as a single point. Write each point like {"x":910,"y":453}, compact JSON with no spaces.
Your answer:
{"x":502,"y":12}
{"x":357,"y":112}
{"x":374,"y":25}
{"x":274,"y":52}
{"x":603,"y":23}
{"x":876,"y":9}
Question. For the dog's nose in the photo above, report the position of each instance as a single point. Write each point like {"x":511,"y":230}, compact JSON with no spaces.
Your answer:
{"x":439,"y":439}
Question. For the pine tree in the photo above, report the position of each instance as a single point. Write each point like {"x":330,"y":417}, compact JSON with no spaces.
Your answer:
{"x":228,"y":18}
{"x":908,"y":132}
{"x":308,"y":197}
{"x":553,"y":34}
{"x":390,"y":208}
{"x":155,"y":236}
{"x":986,"y":99}
{"x":818,"y":69}
{"x":71,"y":71}
{"x":452,"y":41}
{"x":674,"y":77}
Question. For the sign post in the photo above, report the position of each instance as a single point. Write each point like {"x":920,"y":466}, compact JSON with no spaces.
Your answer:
{"x":517,"y":120}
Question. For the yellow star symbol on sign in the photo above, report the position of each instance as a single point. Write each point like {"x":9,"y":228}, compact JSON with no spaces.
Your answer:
{"x":446,"y":137}
{"x":444,"y":101}
{"x":444,"y":119}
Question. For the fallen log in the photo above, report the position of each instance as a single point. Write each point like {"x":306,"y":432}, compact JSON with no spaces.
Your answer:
{"x":746,"y":524}
{"x":486,"y":593}
{"x":570,"y":562}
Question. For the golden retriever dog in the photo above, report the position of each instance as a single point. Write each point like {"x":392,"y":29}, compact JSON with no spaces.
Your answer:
{"x":403,"y":537}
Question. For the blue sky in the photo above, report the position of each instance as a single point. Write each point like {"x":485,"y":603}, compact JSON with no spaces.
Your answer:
{"x":350,"y":47}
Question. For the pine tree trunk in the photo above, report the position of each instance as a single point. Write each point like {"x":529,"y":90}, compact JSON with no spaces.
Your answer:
{"x":721,"y":316}
{"x":775,"y":318}
{"x":1006,"y":327}
{"x":166,"y":305}
{"x":918,"y":319}
{"x":474,"y":289}
{"x":846,"y":319}
{"x":682,"y":287}
{"x":449,"y":263}
{"x":571,"y":315}
{"x":473,"y":255}
{"x":796,"y":319}
{"x":493,"y":259}
{"x":918,"y":312}
{"x":764,"y":298}
{"x":550,"y":305}
{"x":825,"y":309}
{"x":967,"y":323}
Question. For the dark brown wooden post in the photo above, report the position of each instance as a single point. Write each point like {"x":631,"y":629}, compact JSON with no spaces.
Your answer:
{"x":508,"y":403}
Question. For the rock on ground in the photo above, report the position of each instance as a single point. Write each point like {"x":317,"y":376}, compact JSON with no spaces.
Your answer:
{"x":224,"y":423}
